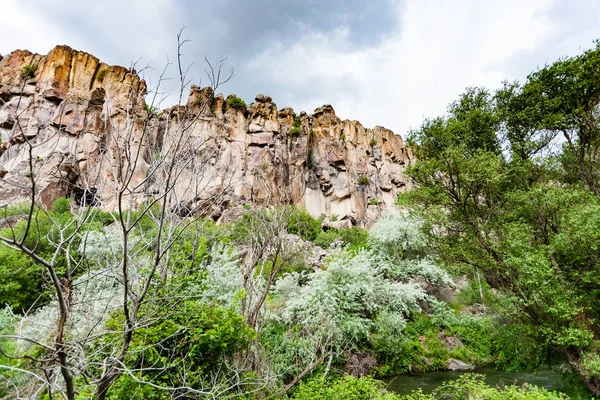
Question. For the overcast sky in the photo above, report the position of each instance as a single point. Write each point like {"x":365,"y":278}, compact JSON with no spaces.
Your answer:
{"x":382,"y":62}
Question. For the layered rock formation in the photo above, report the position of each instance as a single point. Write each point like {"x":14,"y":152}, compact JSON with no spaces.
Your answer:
{"x":78,"y":124}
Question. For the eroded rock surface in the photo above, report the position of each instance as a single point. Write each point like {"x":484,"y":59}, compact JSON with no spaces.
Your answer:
{"x":75,"y":115}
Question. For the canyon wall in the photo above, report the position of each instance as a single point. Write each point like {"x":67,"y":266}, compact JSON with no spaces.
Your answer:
{"x":71,"y":125}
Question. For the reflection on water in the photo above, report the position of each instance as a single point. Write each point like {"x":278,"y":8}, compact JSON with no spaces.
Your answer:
{"x":404,"y":384}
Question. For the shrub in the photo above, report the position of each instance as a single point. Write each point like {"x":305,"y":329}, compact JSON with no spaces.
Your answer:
{"x":100,"y":75}
{"x":106,"y":217}
{"x":21,"y":281}
{"x":347,"y":388}
{"x":246,"y":226}
{"x":324,"y":239}
{"x":29,"y":71}
{"x":355,"y":237}
{"x":197,"y":337}
{"x":373,"y":202}
{"x":373,"y":142}
{"x":363,"y":181}
{"x":473,"y":292}
{"x":301,"y":223}
{"x":291,"y":351}
{"x":61,"y":206}
{"x":591,"y":362}
{"x":517,"y":347}
{"x":10,"y":377}
{"x":236,"y":102}
{"x":296,"y":130}
{"x":348,"y":300}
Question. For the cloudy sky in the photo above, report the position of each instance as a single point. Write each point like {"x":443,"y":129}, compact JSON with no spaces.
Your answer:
{"x":382,"y":62}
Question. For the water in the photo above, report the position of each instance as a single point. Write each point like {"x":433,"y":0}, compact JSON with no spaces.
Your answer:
{"x":404,"y":384}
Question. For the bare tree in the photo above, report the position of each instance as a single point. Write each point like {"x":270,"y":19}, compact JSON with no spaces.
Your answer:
{"x":151,"y":174}
{"x":269,"y":251}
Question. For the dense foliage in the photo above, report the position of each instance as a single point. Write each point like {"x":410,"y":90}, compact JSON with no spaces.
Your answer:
{"x":236,"y":102}
{"x":469,"y":386}
{"x":507,"y":185}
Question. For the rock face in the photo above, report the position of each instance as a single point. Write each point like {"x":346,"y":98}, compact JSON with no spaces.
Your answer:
{"x":76,"y":116}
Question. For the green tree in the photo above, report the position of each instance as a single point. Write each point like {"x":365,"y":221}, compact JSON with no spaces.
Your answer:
{"x":495,"y":198}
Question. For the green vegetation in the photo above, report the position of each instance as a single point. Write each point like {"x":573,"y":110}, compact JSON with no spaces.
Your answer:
{"x":468,"y":386}
{"x":196,"y":335}
{"x":346,"y":387}
{"x":296,"y":129}
{"x":236,"y":102}
{"x":472,"y":386}
{"x":373,"y":142}
{"x":23,"y":285}
{"x":428,"y":341}
{"x":28,"y":71}
{"x":303,"y":224}
{"x":324,"y":239}
{"x":499,"y":201}
{"x":153,"y":110}
{"x":363,"y":181}
{"x":101,"y":75}
{"x":354,"y":238}
{"x":205,"y":320}
{"x":362,"y":306}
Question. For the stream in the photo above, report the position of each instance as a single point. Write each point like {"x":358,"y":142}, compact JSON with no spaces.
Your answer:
{"x":404,"y":384}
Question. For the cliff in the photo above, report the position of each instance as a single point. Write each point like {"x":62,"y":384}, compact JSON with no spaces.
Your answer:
{"x":78,"y":123}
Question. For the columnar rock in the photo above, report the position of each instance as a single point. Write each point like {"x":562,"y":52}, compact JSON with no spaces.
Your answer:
{"x":73,"y":116}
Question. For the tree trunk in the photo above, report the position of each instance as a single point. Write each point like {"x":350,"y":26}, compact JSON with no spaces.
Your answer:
{"x":303,"y":373}
{"x":105,"y":383}
{"x":591,"y":383}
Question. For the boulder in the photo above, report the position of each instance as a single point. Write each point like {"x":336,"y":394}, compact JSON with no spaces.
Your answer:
{"x":458,"y":365}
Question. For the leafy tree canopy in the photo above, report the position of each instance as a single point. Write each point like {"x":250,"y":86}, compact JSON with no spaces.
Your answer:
{"x":507,"y":185}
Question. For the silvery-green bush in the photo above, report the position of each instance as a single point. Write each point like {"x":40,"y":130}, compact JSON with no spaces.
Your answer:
{"x":370,"y":291}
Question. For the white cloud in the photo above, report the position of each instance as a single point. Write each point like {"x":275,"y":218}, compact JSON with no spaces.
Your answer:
{"x":437,"y":49}
{"x":117,"y":31}
{"x":440,"y":48}
{"x":22,"y":29}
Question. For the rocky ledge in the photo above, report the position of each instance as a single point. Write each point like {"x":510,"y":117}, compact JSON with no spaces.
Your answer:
{"x":71,"y":115}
